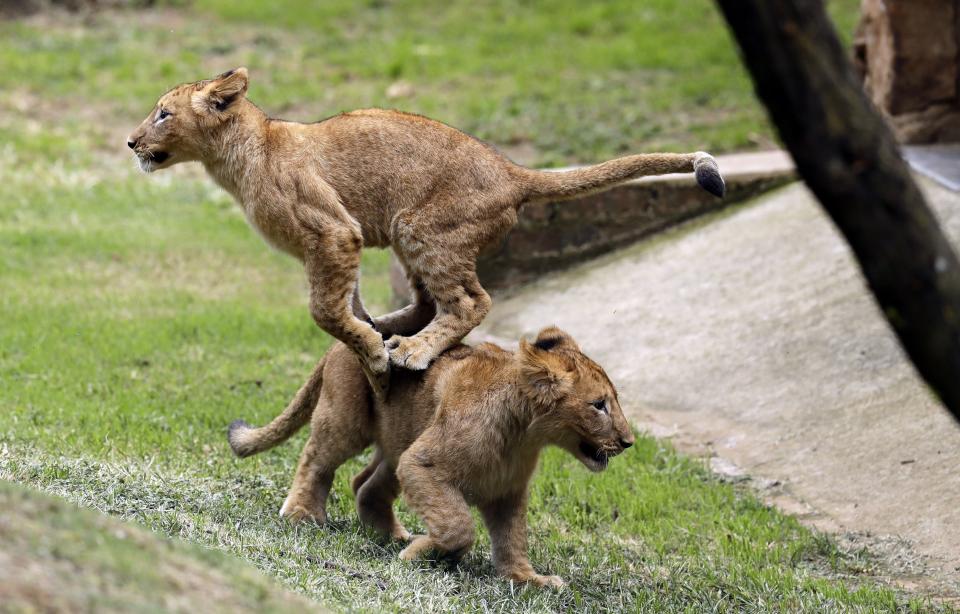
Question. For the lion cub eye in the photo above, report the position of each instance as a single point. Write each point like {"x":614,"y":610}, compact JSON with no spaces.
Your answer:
{"x":162,"y":115}
{"x":600,"y":405}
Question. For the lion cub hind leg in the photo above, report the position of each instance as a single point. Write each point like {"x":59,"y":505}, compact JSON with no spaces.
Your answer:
{"x":335,"y":437}
{"x":440,"y":247}
{"x":411,"y":318}
{"x":375,"y":497}
{"x":462,"y":303}
{"x":364,"y":474}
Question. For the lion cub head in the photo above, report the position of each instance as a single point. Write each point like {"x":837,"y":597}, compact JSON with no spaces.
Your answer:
{"x":181,"y":126}
{"x":577,"y":406}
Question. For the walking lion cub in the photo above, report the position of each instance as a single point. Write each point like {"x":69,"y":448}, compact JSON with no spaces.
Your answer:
{"x":468,"y":431}
{"x":323,"y":191}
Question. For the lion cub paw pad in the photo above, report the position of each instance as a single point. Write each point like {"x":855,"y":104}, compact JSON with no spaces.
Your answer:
{"x":408,"y":353}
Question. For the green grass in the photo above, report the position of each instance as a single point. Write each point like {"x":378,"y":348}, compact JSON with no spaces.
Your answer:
{"x":140,"y":315}
{"x":655,"y":532}
{"x":575,"y":81}
{"x":54,"y":557}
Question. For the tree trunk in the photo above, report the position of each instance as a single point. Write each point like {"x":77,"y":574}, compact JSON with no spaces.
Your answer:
{"x":849,"y":158}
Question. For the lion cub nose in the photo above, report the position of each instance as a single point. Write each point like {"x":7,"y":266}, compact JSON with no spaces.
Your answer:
{"x":626,"y":443}
{"x":131,"y":143}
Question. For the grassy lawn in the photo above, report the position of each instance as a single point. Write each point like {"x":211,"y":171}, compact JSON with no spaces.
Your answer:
{"x":558,"y":81}
{"x":140,"y":315}
{"x":55,"y":558}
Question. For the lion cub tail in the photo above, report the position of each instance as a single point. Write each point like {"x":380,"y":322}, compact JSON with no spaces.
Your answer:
{"x":246,"y":440}
{"x":562,"y":185}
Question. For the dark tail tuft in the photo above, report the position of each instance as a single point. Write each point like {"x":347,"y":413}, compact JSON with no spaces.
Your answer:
{"x":708,"y":175}
{"x":235,"y":433}
{"x":246,"y":440}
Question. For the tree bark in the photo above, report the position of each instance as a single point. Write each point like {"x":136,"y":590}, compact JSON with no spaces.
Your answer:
{"x":851,"y":161}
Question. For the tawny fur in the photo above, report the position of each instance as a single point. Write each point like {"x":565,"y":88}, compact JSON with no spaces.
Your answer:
{"x":323,"y":191}
{"x":468,"y":431}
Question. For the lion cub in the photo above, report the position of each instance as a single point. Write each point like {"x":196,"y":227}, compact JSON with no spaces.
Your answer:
{"x":323,"y":191}
{"x":468,"y":431}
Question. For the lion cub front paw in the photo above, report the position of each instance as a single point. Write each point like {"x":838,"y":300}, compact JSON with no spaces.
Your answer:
{"x":418,"y":545}
{"x":409,"y":353}
{"x":378,"y":361}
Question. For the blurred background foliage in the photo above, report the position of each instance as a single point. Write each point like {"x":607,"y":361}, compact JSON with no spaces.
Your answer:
{"x":551,"y":82}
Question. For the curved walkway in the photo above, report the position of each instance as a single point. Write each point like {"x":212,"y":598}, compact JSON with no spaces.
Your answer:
{"x":750,"y":337}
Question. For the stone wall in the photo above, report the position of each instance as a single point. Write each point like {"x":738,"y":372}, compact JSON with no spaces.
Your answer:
{"x":907,"y":53}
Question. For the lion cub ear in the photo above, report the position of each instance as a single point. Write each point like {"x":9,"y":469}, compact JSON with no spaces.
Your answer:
{"x":217,"y":94}
{"x":545,"y":380}
{"x":552,"y":337}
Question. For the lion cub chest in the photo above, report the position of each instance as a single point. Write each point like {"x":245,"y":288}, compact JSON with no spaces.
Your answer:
{"x":268,"y":210}
{"x":276,"y":224}
{"x":499,"y":477}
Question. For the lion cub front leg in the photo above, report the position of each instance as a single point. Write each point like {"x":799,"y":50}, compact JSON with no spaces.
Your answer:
{"x":450,"y":530}
{"x":332,"y":262}
{"x":506,"y":520}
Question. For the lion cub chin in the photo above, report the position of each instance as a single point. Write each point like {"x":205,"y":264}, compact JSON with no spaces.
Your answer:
{"x":466,"y":432}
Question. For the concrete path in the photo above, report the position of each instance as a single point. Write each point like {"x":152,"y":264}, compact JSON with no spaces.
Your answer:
{"x":749,"y":336}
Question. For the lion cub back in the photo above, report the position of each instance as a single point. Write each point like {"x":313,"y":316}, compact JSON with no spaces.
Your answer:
{"x":414,"y":398}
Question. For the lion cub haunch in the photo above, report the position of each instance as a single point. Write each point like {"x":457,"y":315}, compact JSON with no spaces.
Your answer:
{"x":324,"y":190}
{"x":466,"y":432}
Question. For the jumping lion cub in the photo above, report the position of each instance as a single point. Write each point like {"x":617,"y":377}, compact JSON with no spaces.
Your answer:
{"x":468,"y":431}
{"x":322,"y":191}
